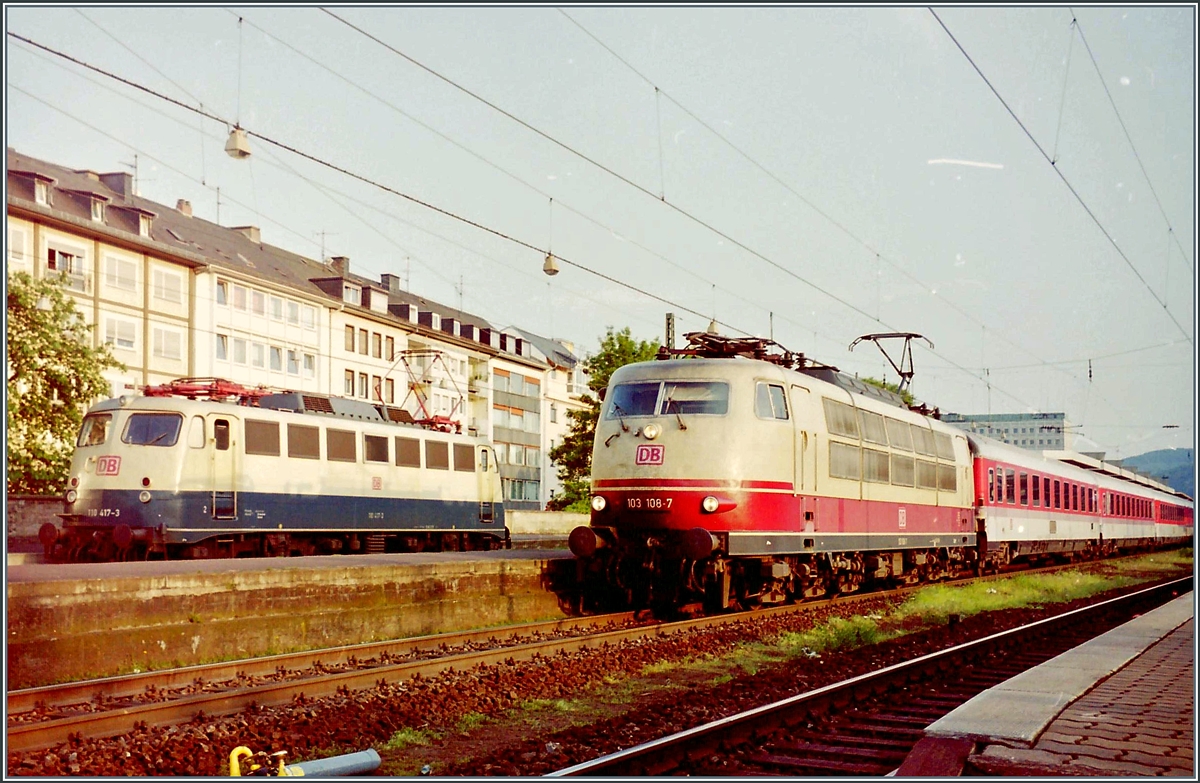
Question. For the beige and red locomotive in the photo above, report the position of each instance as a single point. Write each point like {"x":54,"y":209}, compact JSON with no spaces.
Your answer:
{"x":736,"y":477}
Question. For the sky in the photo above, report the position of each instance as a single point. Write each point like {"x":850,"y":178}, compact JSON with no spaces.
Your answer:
{"x":1015,"y":184}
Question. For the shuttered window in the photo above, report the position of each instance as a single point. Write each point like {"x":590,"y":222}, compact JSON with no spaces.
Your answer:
{"x":304,"y":442}
{"x":464,"y":457}
{"x":408,"y":452}
{"x":340,"y":446}
{"x":437,"y":455}
{"x":262,"y":437}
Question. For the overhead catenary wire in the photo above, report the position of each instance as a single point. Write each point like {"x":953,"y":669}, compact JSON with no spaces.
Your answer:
{"x":1064,"y":179}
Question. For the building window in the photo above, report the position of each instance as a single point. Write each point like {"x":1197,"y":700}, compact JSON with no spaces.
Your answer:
{"x":168,"y":287}
{"x":293,"y":312}
{"x":97,"y":210}
{"x":391,"y":391}
{"x":258,"y":302}
{"x":293,"y":365}
{"x":239,"y":351}
{"x":69,"y":261}
{"x":308,"y":317}
{"x":144,"y":225}
{"x":377,"y":388}
{"x":168,"y":344}
{"x":349,"y":387}
{"x":553,"y":413}
{"x":350,"y":339}
{"x":352,"y":294}
{"x":239,"y":297}
{"x":258,"y":355}
{"x":41,"y":193}
{"x":120,"y":273}
{"x":310,"y":366}
{"x":120,"y":333}
{"x":362,"y":385}
{"x":16,"y":245}
{"x":276,"y":308}
{"x":222,"y":347}
{"x":362,"y":342}
{"x":377,"y":345}
{"x":391,"y":349}
{"x":276,"y":358}
{"x":222,"y":292}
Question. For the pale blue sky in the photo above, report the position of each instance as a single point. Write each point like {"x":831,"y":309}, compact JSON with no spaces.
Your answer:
{"x":874,"y":182}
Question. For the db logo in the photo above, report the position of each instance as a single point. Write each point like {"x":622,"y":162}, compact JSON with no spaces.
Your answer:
{"x":108,"y":466}
{"x":649,"y":455}
{"x":376,"y":482}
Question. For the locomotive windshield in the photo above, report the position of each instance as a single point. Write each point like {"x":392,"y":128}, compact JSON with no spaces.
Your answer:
{"x":94,"y":431}
{"x":670,"y":397}
{"x":153,"y":429}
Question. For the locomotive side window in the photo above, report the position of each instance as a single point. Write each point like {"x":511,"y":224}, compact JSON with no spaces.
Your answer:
{"x":903,"y":471}
{"x":152,"y":429}
{"x":408,"y":452}
{"x":464,"y":457}
{"x":483,"y":460}
{"x":94,"y":431}
{"x":1010,"y":486}
{"x":843,"y":461}
{"x":999,"y":485}
{"x":221,"y":434}
{"x":1057,"y":499}
{"x":840,"y":418}
{"x":873,"y":430}
{"x":926,"y":475}
{"x":262,"y":437}
{"x":1046,"y":488}
{"x":633,"y":399}
{"x":1037,"y":490}
{"x":947,"y":478}
{"x":701,"y":397}
{"x":875,"y":466}
{"x":899,"y":434}
{"x":340,"y":446}
{"x":923,"y":441}
{"x":769,"y":402}
{"x":1024,"y":499}
{"x":304,"y":442}
{"x":991,"y":485}
{"x":437,"y":455}
{"x":944,"y":446}
{"x":375,"y":448}
{"x":1075,"y":497}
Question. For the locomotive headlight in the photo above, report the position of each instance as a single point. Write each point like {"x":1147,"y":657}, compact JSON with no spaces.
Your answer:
{"x":598,"y":503}
{"x":651,"y":431}
{"x":710,"y":504}
{"x":72,"y":496}
{"x":144,"y":496}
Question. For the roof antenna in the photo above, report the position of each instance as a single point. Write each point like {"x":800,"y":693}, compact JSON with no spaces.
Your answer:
{"x":906,"y":359}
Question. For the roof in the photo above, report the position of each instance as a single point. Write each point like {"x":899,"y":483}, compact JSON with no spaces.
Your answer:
{"x":555,"y":352}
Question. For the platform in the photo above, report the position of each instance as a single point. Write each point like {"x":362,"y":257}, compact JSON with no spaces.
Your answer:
{"x":1121,"y":704}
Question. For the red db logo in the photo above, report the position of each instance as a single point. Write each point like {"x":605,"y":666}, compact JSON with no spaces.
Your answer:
{"x":649,"y":455}
{"x":108,"y":466}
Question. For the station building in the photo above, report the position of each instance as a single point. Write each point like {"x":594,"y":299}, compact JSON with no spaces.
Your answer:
{"x":1035,"y":431}
{"x":175,"y":295}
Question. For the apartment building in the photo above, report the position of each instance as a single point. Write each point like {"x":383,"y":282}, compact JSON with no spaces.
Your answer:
{"x":1035,"y":431}
{"x":176,"y":295}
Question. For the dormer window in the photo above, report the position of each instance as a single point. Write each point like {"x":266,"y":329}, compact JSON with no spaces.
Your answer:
{"x":352,"y":294}
{"x":97,"y":210}
{"x":144,"y":225}
{"x":41,"y":193}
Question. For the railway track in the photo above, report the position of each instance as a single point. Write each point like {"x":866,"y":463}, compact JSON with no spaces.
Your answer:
{"x":868,"y":724}
{"x":43,"y":717}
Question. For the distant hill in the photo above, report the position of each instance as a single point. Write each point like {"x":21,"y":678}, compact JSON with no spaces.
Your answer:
{"x":1174,"y":467}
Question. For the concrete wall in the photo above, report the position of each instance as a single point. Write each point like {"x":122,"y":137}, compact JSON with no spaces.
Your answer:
{"x":62,"y":629}
{"x":543,"y":523}
{"x":26,"y":513}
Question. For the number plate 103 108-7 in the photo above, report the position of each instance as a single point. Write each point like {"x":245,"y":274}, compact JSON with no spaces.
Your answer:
{"x":649,"y":503}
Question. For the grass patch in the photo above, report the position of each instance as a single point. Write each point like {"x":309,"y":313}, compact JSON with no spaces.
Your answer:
{"x":407,"y":738}
{"x":470,"y":722}
{"x":837,"y":634}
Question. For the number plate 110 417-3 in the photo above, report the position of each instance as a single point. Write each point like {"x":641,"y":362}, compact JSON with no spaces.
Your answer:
{"x":655,"y":503}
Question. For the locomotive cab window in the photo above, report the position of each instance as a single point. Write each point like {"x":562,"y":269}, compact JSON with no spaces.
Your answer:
{"x":152,"y":429}
{"x":221,"y":434}
{"x":633,"y":399}
{"x":769,"y":401}
{"x":94,"y":431}
{"x":701,"y":397}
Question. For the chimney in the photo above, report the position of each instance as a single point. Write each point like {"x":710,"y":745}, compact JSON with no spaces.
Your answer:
{"x":184,"y":206}
{"x":89,"y":174}
{"x":119,"y":181}
{"x":250,"y":232}
{"x":340,"y":264}
{"x":390,"y":282}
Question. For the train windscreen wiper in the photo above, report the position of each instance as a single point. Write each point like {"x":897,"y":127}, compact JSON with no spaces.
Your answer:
{"x":669,"y":405}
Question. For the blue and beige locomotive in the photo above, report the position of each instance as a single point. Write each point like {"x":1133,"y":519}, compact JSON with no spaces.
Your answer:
{"x":202,"y":468}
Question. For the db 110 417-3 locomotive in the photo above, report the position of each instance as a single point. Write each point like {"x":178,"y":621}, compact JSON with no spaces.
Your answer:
{"x":204,"y":468}
{"x":736,"y":475}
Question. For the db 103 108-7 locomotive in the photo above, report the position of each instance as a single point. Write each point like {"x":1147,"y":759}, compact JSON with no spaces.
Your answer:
{"x":203,"y":468}
{"x":736,"y":475}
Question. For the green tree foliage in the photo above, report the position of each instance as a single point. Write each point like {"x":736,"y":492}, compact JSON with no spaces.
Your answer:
{"x":53,"y":374}
{"x":904,"y":395}
{"x":574,"y":455}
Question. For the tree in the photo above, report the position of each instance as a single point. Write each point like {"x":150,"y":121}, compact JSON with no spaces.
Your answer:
{"x":53,"y":374}
{"x":904,"y":395}
{"x":574,"y":455}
